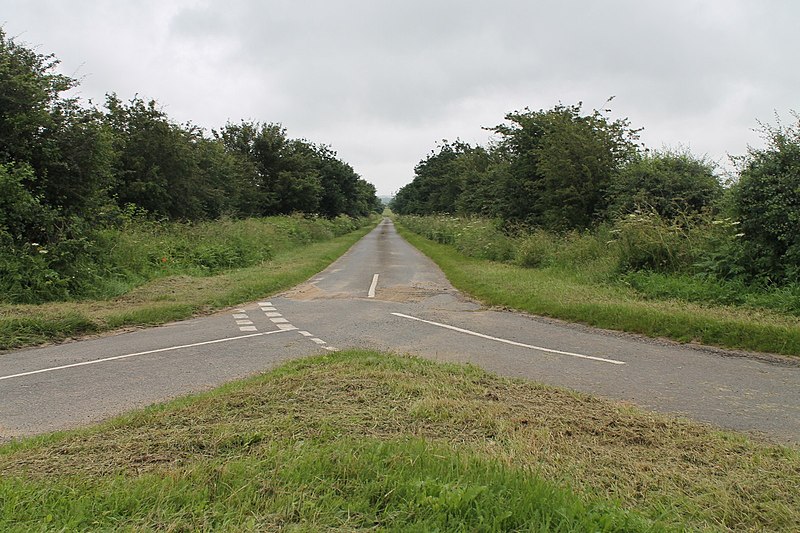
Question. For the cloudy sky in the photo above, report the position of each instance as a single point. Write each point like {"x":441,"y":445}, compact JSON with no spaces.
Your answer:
{"x":382,"y":81}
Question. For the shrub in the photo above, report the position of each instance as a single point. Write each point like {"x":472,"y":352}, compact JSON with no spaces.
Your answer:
{"x":671,"y":183}
{"x":767,"y":201}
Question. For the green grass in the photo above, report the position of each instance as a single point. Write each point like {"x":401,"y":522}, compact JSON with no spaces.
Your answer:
{"x":582,"y":296}
{"x":175,"y":296}
{"x":364,"y":440}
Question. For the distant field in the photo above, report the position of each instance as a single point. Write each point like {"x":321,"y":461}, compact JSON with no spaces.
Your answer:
{"x":365,"y":440}
{"x":173,"y":271}
{"x":579,"y":285}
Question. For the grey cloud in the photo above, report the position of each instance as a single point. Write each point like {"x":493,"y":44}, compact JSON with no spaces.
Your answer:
{"x":383,"y":81}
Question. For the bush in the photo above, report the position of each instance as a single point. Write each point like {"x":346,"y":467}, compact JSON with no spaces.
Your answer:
{"x":767,"y":201}
{"x":670,"y":183}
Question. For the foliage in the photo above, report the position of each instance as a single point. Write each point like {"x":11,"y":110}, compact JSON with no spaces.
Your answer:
{"x":438,"y":182}
{"x":767,"y":202}
{"x":71,"y":174}
{"x":548,"y":168}
{"x":670,"y":183}
{"x":594,"y":293}
{"x":560,"y":165}
{"x":661,"y":258}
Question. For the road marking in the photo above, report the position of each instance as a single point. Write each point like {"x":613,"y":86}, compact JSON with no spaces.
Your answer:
{"x":319,"y":341}
{"x":240,"y":316}
{"x":268,"y":309}
{"x":248,"y":328}
{"x":331,"y":348}
{"x":279,"y":321}
{"x":244,"y":322}
{"x":118,"y":357}
{"x":286,"y":327}
{"x":513,"y":343}
{"x":371,"y":293}
{"x":265,"y":304}
{"x":271,"y":315}
{"x":306,"y":334}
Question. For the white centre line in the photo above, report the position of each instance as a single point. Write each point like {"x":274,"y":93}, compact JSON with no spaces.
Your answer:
{"x":118,"y":357}
{"x":513,"y":343}
{"x":371,"y":293}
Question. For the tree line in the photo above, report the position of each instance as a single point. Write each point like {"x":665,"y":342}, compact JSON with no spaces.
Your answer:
{"x":564,"y":170}
{"x":66,"y":166}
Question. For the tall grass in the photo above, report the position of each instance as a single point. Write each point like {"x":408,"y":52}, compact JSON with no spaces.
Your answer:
{"x":114,"y":260}
{"x":660,"y":259}
{"x":280,"y":252}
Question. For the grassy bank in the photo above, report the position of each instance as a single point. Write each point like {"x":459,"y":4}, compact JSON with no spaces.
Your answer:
{"x":170,"y":273}
{"x":358,"y":440}
{"x":580,"y":287}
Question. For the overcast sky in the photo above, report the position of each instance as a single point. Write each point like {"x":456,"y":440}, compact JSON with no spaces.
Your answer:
{"x":383,"y":81}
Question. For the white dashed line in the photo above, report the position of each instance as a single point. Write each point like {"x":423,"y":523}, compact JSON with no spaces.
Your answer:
{"x":240,"y":316}
{"x":118,"y":357}
{"x":244,"y":322}
{"x":286,"y":327}
{"x":268,"y":309}
{"x":265,"y":304}
{"x":331,"y":348}
{"x":373,"y":286}
{"x":271,"y":315}
{"x":513,"y":343}
{"x":248,"y":328}
{"x":319,"y":341}
{"x":306,"y":334}
{"x":279,"y":320}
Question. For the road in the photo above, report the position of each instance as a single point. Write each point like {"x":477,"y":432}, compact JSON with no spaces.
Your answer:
{"x":384,"y":294}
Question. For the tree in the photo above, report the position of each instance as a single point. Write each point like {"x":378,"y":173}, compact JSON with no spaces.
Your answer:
{"x":438,"y":182}
{"x":66,"y":147}
{"x":767,"y":202}
{"x":560,"y":165}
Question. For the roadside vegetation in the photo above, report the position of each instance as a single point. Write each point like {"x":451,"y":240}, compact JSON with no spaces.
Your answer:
{"x":153,"y":273}
{"x":590,"y":226}
{"x":577,"y":278}
{"x":115,"y":215}
{"x":76,"y":177}
{"x":362,"y":440}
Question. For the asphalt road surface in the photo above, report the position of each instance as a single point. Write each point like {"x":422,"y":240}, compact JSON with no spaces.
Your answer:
{"x":384,"y":294}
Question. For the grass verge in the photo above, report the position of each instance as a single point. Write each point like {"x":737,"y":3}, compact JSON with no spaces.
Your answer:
{"x":363,"y":440}
{"x":555,"y":293}
{"x":169,"y":298}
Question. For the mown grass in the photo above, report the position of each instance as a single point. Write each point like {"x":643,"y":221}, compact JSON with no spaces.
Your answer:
{"x":584,"y":295}
{"x":364,"y":440}
{"x":174,"y":296}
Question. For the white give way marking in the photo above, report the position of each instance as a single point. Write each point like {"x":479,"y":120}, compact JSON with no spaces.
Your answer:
{"x":513,"y":343}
